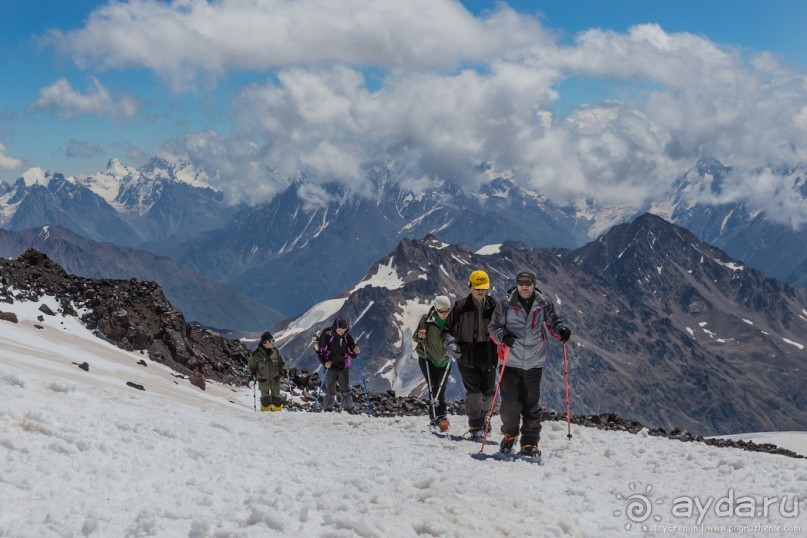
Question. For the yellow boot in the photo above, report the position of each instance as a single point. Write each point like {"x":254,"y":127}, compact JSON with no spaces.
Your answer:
{"x":266,"y":407}
{"x":275,"y":407}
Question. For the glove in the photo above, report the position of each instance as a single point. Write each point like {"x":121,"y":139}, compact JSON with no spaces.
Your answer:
{"x":509,"y":340}
{"x":250,"y":380}
{"x":453,"y":351}
{"x":564,"y":332}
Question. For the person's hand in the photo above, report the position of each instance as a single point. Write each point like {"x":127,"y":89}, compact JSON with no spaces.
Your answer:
{"x":509,"y":340}
{"x":421,"y":333}
{"x":564,"y":332}
{"x":327,"y":364}
{"x":453,"y":350}
{"x":250,"y":379}
{"x":356,"y":350}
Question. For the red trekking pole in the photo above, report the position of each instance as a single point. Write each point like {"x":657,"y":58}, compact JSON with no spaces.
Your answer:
{"x":568,"y":410}
{"x":495,"y":395}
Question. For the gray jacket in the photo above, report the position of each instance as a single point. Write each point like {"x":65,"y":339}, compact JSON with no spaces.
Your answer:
{"x":530,"y":329}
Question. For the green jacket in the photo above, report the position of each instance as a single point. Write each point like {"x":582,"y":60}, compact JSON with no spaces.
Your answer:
{"x":266,"y":365}
{"x":431,"y":347}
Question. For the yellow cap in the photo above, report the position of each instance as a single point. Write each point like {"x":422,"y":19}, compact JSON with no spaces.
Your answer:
{"x":479,"y":280}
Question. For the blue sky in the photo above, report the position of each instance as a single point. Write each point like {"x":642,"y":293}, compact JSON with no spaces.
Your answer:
{"x":595,"y":96}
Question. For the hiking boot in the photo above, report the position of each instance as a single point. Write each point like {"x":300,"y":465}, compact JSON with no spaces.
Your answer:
{"x":443,"y":424}
{"x":506,"y":446}
{"x":530,"y":450}
{"x":476,"y":434}
{"x":266,"y":407}
{"x":273,"y":407}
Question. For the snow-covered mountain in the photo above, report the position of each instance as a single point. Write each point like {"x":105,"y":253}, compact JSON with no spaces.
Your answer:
{"x":332,"y":233}
{"x":42,"y":198}
{"x":667,"y":330}
{"x":124,"y":205}
{"x":747,"y":233}
{"x":88,"y":454}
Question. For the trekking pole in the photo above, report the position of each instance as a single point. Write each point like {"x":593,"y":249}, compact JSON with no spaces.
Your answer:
{"x":319,"y":390}
{"x":433,"y":410}
{"x":364,"y":381}
{"x":568,"y":409}
{"x":493,"y":404}
{"x":254,"y":397}
{"x":445,"y":376}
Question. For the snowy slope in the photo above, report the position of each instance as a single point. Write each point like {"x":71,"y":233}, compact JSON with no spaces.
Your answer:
{"x":85,"y":455}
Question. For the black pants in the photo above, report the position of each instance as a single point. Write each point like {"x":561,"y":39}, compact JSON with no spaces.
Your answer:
{"x":434,"y":376}
{"x":480,"y":384}
{"x":521,"y":390}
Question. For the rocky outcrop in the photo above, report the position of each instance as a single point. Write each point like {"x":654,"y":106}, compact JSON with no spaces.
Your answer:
{"x":133,"y":314}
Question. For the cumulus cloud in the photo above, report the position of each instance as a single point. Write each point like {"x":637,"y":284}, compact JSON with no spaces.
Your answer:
{"x":451,"y":90}
{"x":6,"y":161}
{"x":63,"y":101}
{"x":186,"y":40}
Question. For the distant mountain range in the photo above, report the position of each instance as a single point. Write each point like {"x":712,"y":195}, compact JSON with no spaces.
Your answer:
{"x":314,"y":240}
{"x":200,"y":299}
{"x":666,"y":329}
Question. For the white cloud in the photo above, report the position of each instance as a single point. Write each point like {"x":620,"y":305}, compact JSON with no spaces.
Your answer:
{"x":451,"y":90}
{"x":8,"y":162}
{"x":63,"y":101}
{"x":186,"y":40}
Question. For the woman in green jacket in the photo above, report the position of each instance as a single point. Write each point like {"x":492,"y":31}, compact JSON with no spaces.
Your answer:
{"x":434,"y":362}
{"x":266,"y":365}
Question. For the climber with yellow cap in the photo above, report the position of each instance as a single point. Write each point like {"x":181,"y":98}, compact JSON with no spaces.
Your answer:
{"x":467,"y":341}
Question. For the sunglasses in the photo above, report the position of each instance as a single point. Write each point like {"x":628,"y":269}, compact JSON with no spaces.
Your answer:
{"x":525,"y":283}
{"x":444,"y":311}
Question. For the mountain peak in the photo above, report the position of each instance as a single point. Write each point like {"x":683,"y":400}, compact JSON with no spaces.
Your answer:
{"x":36,"y":176}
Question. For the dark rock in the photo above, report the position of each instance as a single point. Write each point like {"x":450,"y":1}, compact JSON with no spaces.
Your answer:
{"x":141,"y":362}
{"x":84,"y":366}
{"x":135,"y":386}
{"x":197,"y":381}
{"x":131,"y":314}
{"x":9,"y":316}
{"x":45,"y":309}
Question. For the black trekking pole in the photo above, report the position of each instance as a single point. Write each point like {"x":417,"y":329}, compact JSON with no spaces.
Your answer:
{"x":568,"y":409}
{"x":445,"y":376}
{"x":493,"y":404}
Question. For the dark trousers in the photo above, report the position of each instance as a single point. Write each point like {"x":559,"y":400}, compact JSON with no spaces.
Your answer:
{"x":434,"y":376}
{"x":480,"y":384}
{"x":337,"y":379}
{"x":521,"y":390}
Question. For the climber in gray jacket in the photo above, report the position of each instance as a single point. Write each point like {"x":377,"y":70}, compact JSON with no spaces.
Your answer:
{"x":523,"y":322}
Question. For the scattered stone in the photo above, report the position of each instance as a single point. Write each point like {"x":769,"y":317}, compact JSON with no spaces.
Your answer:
{"x":135,"y":386}
{"x":84,"y":366}
{"x":9,"y":316}
{"x":141,"y":362}
{"x":40,"y":327}
{"x":197,"y":381}
{"x":45,"y":309}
